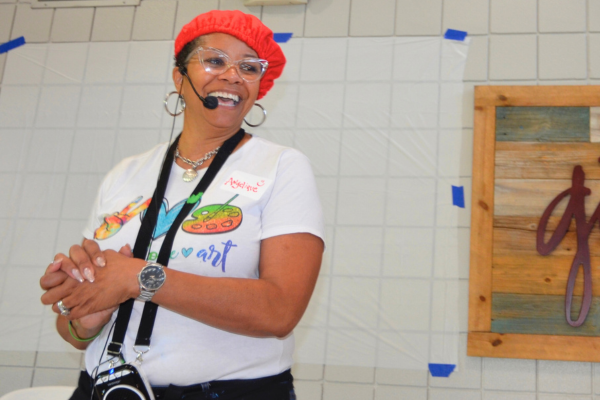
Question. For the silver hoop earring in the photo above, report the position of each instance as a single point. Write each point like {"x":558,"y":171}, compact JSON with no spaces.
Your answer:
{"x":264,"y":117}
{"x":181,"y":101}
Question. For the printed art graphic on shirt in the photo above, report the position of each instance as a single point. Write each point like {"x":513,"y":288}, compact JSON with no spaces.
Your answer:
{"x":210,"y":219}
{"x":215,"y":218}
{"x":114,"y":222}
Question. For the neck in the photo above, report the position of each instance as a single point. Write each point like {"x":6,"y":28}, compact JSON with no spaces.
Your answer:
{"x":195,"y":142}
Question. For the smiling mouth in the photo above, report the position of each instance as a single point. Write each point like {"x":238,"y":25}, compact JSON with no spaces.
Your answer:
{"x":226,"y":99}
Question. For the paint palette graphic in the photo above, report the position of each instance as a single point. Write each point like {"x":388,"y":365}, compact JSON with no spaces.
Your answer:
{"x":214,"y":218}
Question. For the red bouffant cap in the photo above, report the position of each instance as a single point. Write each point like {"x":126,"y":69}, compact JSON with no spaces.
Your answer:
{"x":245,"y":27}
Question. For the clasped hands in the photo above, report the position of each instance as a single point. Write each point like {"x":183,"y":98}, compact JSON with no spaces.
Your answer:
{"x":91,"y":283}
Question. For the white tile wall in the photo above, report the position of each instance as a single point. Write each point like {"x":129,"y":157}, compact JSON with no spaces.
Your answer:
{"x":239,"y":5}
{"x":477,"y":62}
{"x":33,"y":24}
{"x":518,"y":59}
{"x":188,"y":9}
{"x":437,"y":394}
{"x":14,"y":378}
{"x":72,"y":25}
{"x":475,"y":21}
{"x":55,"y":377}
{"x":339,"y":373}
{"x":513,"y":57}
{"x":65,"y":63}
{"x":285,"y":19}
{"x":594,"y":55}
{"x":418,"y":17}
{"x":572,"y":377}
{"x":154,"y":20}
{"x":513,"y":16}
{"x":357,"y":261}
{"x":407,"y":253}
{"x":336,"y":391}
{"x":594,"y":15}
{"x":490,"y":395}
{"x":24,"y":65}
{"x":503,"y":374}
{"x":7,"y":14}
{"x":112,"y":23}
{"x":562,"y":56}
{"x":394,"y":393}
{"x":562,"y":15}
{"x":366,"y":20}
{"x":308,"y":390}
{"x":327,"y":18}
{"x":397,"y":376}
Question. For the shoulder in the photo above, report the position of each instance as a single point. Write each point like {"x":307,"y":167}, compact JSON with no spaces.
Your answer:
{"x":283,"y":156}
{"x":139,"y":167}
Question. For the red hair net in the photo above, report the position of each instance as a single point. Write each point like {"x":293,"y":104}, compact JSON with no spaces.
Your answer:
{"x":245,"y":27}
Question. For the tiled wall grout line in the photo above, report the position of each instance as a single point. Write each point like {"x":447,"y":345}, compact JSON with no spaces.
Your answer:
{"x":335,"y":224}
{"x":384,"y":225}
{"x":435,"y":208}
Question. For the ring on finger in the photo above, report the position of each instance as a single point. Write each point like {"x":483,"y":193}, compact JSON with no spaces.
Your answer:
{"x":62,"y":308}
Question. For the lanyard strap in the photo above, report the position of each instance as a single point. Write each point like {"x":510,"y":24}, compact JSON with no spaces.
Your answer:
{"x":144,"y":238}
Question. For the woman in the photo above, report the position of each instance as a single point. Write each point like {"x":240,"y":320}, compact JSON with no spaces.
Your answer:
{"x":245,"y":252}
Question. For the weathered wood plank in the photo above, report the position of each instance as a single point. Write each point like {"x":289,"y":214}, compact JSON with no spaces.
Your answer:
{"x":543,"y":124}
{"x":542,"y":275}
{"x":595,"y":124}
{"x":516,"y":160}
{"x":541,"y":347}
{"x":543,"y":96}
{"x":482,"y":219}
{"x":530,"y":197}
{"x":527,"y":223}
{"x":521,"y":243}
{"x":541,"y":315}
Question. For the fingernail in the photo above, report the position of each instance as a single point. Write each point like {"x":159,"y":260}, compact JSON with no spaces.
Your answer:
{"x":77,"y":275}
{"x":88,"y":274}
{"x":100,"y":261}
{"x":57,"y":263}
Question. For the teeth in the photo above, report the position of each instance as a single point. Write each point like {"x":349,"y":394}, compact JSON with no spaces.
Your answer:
{"x":225,"y":95}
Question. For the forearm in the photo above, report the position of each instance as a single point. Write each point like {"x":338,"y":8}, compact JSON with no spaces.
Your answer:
{"x":265,"y":307}
{"x":253,"y":307}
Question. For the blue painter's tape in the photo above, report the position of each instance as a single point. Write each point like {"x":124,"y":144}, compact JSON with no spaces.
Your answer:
{"x":20,"y":41}
{"x":458,"y":196}
{"x":455,"y":35}
{"x":441,"y":370}
{"x":282,"y":37}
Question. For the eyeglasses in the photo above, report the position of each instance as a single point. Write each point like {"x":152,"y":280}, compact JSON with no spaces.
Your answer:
{"x":217,"y":62}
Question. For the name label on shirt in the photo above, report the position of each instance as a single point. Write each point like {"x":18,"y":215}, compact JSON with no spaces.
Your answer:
{"x":247,"y":184}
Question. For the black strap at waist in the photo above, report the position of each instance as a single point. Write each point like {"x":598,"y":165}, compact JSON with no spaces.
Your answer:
{"x":275,"y":387}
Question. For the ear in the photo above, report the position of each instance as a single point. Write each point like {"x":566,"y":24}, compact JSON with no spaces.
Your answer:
{"x":177,"y":78}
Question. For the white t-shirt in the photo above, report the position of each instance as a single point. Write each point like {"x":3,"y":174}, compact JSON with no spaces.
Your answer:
{"x":263,"y":190}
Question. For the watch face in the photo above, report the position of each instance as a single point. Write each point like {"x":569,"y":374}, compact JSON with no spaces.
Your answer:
{"x":152,"y":277}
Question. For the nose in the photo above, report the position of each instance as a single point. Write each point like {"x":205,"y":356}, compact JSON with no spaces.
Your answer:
{"x":231,"y":74}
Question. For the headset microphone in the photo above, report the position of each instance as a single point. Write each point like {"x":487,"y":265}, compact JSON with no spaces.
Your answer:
{"x":209,"y":102}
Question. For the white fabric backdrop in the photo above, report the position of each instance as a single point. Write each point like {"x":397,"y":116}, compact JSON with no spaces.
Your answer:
{"x":381,"y":120}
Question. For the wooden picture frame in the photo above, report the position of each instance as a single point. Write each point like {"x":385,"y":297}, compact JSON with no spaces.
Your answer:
{"x":489,"y":160}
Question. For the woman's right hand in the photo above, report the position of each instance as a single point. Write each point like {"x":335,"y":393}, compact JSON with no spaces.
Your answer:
{"x":85,"y":258}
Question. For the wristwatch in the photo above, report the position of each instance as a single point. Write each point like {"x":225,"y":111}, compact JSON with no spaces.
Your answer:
{"x":151,"y":278}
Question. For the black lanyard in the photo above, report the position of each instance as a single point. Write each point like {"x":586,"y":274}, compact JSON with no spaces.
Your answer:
{"x":144,"y":238}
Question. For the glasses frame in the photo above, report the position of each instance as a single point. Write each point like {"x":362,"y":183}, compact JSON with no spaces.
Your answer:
{"x":228,"y":63}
